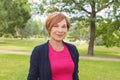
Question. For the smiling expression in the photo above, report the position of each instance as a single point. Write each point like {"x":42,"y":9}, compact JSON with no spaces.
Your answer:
{"x":59,"y":31}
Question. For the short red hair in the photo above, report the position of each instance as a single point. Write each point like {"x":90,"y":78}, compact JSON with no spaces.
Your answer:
{"x":55,"y":18}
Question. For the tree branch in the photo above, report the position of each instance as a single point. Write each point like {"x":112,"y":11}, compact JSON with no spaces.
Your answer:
{"x":85,"y":10}
{"x":105,"y":6}
{"x":81,"y":8}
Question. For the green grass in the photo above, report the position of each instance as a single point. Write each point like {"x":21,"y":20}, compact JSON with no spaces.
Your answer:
{"x":21,"y":45}
{"x":15,"y":67}
{"x":100,"y":51}
{"x":99,"y":70}
{"x":29,"y":44}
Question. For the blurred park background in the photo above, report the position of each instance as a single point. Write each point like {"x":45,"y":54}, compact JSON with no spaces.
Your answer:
{"x":95,"y":30}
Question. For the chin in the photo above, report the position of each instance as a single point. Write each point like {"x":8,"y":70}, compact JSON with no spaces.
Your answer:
{"x":59,"y":39}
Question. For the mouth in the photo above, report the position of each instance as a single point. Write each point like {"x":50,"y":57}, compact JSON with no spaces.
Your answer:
{"x":60,"y":35}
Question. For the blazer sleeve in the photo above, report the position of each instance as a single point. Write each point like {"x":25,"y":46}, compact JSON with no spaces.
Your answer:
{"x":77,"y":64}
{"x":34,"y":68}
{"x":76,"y":77}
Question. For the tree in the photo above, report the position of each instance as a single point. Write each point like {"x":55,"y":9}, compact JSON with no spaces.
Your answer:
{"x":3,"y":15}
{"x":31,"y":29}
{"x":109,"y":31}
{"x":82,"y":9}
{"x":79,"y":31}
{"x":16,"y":17}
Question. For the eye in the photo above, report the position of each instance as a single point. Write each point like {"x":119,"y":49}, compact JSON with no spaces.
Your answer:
{"x":64,"y":26}
{"x":55,"y":26}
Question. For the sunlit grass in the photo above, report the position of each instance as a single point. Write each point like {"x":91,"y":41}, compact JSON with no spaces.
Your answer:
{"x":13,"y":67}
{"x":99,"y":70}
{"x":22,"y":45}
{"x":100,"y":51}
{"x":29,"y":44}
{"x":16,"y":67}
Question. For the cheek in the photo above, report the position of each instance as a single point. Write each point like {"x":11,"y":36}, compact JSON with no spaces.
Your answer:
{"x":53,"y":29}
{"x":52,"y":32}
{"x":66,"y":30}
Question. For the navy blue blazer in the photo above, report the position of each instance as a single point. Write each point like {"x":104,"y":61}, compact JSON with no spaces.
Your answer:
{"x":40,"y":63}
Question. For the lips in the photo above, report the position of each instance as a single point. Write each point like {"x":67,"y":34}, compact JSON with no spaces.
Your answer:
{"x":60,"y":35}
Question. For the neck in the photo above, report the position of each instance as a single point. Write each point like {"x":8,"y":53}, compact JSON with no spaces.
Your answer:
{"x":56,"y":45}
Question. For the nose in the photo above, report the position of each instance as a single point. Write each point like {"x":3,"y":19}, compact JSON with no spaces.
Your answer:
{"x":60,"y":29}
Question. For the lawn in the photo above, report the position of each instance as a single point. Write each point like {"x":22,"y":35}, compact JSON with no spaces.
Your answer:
{"x":99,"y":70}
{"x":100,"y":51}
{"x":20,"y":45}
{"x":15,"y":67}
{"x":29,"y":44}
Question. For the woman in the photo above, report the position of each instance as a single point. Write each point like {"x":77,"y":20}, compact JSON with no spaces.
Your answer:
{"x":55,"y":59}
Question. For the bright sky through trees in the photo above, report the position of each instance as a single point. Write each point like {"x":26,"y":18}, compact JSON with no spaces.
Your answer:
{"x":36,"y":16}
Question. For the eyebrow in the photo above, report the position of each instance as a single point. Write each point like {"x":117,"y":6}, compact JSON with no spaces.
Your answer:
{"x":64,"y":25}
{"x":55,"y":25}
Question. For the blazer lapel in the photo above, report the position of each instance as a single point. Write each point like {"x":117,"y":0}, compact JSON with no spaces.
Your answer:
{"x":47,"y":67}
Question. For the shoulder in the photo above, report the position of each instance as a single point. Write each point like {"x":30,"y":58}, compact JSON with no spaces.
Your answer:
{"x":72,"y":48}
{"x":40,"y":48}
{"x":69,"y":45}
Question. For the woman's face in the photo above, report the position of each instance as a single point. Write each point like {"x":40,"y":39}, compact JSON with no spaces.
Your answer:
{"x":59,"y":31}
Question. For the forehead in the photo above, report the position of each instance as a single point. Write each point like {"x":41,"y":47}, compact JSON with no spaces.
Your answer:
{"x":62,"y":22}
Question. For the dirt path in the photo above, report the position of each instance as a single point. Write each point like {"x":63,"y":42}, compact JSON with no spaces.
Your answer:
{"x":100,"y":58}
{"x":14,"y":52}
{"x":81,"y":57}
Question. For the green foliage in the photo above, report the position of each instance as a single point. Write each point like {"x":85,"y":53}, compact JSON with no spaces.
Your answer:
{"x":79,"y":31}
{"x":99,"y":41}
{"x":32,"y":28}
{"x":17,"y":13}
{"x":7,"y":35}
{"x":110,"y":32}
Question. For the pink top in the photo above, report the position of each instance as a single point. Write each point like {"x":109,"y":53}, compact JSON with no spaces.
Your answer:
{"x":62,"y":66}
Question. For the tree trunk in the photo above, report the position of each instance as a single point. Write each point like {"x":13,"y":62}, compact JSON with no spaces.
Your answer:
{"x":92,"y":31}
{"x":92,"y":36}
{"x":21,"y":34}
{"x":21,"y":37}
